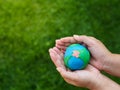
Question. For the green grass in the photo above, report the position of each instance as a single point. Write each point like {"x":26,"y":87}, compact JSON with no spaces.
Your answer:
{"x":28,"y":28}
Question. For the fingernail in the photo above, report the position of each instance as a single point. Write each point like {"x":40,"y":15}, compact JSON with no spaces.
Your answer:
{"x":58,"y":69}
{"x":57,"y":40}
{"x":76,"y":36}
{"x":50,"y":49}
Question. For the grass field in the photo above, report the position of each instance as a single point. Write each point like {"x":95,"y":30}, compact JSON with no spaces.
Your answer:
{"x":28,"y":28}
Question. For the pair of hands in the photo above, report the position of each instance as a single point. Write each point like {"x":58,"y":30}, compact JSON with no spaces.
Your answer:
{"x":91,"y":74}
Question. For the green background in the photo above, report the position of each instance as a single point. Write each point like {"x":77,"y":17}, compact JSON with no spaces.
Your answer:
{"x":28,"y":28}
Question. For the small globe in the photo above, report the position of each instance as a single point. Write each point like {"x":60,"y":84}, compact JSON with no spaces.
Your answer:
{"x":76,"y":57}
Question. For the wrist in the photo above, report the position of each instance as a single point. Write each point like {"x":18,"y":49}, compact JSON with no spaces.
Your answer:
{"x":107,"y":62}
{"x":112,"y":65}
{"x":95,"y":83}
{"x":103,"y":83}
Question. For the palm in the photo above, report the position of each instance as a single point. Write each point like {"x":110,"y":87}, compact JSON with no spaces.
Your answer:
{"x":82,"y":77}
{"x":95,"y":56}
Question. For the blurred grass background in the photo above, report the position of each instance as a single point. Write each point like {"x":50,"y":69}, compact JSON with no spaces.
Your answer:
{"x":28,"y":28}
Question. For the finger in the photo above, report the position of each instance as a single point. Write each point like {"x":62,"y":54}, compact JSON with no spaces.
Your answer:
{"x":58,"y":51}
{"x":68,"y":40}
{"x":63,"y":51}
{"x":53,"y":57}
{"x":66,"y":74}
{"x":83,"y":44}
{"x":61,"y":43}
{"x":84,"y":39}
{"x":68,"y":80}
{"x":56,"y":58}
{"x":61,"y":47}
{"x":75,"y":83}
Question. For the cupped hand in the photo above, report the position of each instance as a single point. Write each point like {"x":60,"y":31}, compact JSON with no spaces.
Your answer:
{"x":80,"y":78}
{"x":99,"y":53}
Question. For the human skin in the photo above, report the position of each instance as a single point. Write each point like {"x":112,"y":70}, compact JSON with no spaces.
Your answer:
{"x":90,"y":77}
{"x":101,"y":57}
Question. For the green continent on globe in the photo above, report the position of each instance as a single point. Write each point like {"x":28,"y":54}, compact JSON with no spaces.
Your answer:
{"x":76,"y":57}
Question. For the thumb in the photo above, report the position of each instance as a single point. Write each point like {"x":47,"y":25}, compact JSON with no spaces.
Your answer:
{"x":65,"y":74}
{"x":83,"y":39}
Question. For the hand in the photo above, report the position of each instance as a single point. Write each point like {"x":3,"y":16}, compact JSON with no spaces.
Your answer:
{"x":99,"y":53}
{"x":90,"y":77}
{"x":81,"y":78}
